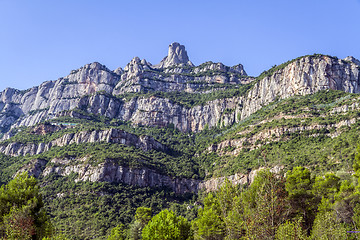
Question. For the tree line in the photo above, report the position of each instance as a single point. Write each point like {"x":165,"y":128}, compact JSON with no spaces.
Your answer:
{"x":295,"y":205}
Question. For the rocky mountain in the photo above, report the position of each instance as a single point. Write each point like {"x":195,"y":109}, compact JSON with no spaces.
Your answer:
{"x":145,"y":143}
{"x":146,"y":95}
{"x":177,"y":128}
{"x":303,"y":76}
{"x":97,"y":89}
{"x":177,"y":55}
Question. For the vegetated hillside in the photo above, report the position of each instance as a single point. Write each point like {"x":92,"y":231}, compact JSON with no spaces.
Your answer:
{"x":103,"y":143}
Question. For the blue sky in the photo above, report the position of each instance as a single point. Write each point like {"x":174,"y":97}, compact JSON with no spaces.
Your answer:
{"x":44,"y":40}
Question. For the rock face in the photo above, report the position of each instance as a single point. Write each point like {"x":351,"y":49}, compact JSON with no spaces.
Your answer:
{"x":110,"y":171}
{"x":94,"y":89}
{"x":155,"y":111}
{"x":304,"y":76}
{"x":33,"y":168}
{"x":99,"y":87}
{"x":177,"y":55}
{"x":145,"y":143}
{"x":352,"y":59}
{"x":214,"y":184}
{"x":273,"y":135}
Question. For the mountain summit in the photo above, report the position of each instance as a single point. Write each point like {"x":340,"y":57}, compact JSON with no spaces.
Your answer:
{"x":177,"y":55}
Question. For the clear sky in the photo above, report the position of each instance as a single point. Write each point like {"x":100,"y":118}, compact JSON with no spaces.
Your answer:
{"x":44,"y":40}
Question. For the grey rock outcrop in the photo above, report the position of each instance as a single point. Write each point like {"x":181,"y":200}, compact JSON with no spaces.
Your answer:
{"x":110,"y":171}
{"x":177,"y":55}
{"x":155,"y":111}
{"x":97,"y":85}
{"x":214,"y":184}
{"x":34,"y":168}
{"x":352,"y":59}
{"x":145,"y":143}
{"x":94,"y":89}
{"x":304,"y":76}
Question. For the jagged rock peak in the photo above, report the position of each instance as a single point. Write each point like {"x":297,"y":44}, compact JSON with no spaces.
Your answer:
{"x":352,"y":59}
{"x":94,"y":65}
{"x":177,"y":55}
{"x":136,"y":65}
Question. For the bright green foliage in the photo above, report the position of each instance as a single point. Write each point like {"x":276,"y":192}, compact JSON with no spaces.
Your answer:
{"x":56,"y":237}
{"x":143,"y":215}
{"x":99,"y":206}
{"x":209,"y":224}
{"x":234,"y":221}
{"x":135,"y":230}
{"x":231,"y":209}
{"x":356,"y":165}
{"x":326,"y":186}
{"x":22,"y":215}
{"x":167,"y":226}
{"x":299,"y":182}
{"x":117,"y":233}
{"x":291,"y":230}
{"x":326,"y":226}
{"x":266,"y":205}
{"x":346,"y":189}
{"x":299,"y":185}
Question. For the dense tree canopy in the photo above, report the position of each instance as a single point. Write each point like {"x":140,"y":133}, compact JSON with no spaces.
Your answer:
{"x":167,"y":226}
{"x":22,"y":215}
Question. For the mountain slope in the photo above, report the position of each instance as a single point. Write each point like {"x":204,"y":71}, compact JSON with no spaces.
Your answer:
{"x":157,"y":134}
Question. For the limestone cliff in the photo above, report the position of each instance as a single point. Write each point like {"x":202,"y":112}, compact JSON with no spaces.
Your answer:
{"x":99,"y":88}
{"x":145,"y":143}
{"x":92,"y":88}
{"x":111,"y":171}
{"x":303,"y":76}
{"x":177,"y":55}
{"x":96,"y":90}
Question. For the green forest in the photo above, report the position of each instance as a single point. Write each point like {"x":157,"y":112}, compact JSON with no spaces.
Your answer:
{"x":315,"y":196}
{"x":295,"y":205}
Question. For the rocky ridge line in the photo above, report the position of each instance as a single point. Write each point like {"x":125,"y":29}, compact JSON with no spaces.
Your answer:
{"x":110,"y":171}
{"x":95,"y":81}
{"x":112,"y":135}
{"x":275,"y":135}
{"x":92,"y":89}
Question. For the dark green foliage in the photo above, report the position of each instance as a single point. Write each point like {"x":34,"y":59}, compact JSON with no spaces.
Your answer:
{"x":264,"y":210}
{"x":299,"y":185}
{"x":22,"y":214}
{"x":84,"y":210}
{"x":117,"y":233}
{"x":315,"y":148}
{"x":167,"y":226}
{"x":142,"y":217}
{"x":327,"y":226}
{"x":291,"y":230}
